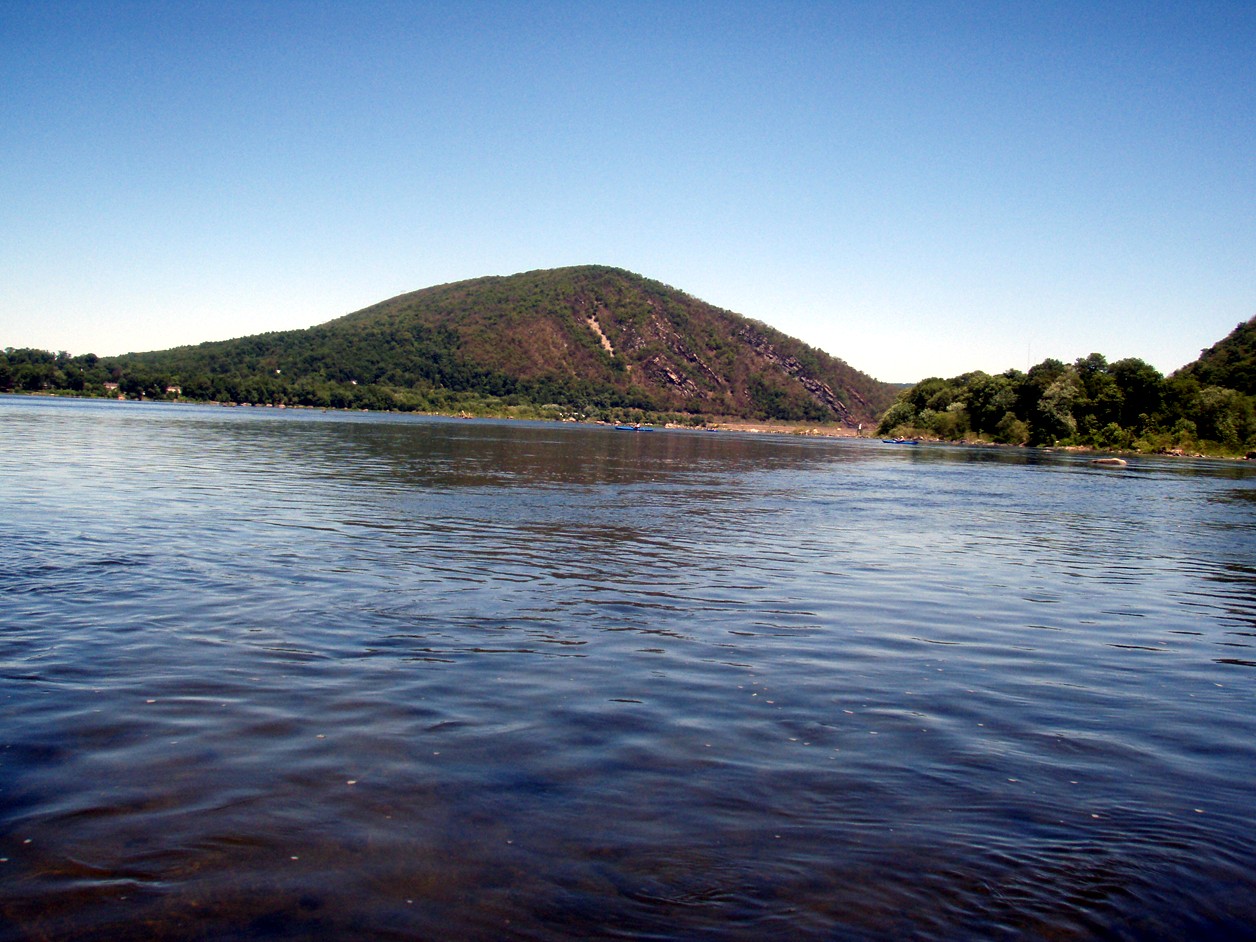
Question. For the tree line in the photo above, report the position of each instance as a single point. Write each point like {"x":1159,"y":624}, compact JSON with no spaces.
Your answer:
{"x":1125,"y":405}
{"x":448,"y":388}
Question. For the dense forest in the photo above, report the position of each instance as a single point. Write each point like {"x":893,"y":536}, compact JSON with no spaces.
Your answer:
{"x":589,"y":341}
{"x":1208,"y":406}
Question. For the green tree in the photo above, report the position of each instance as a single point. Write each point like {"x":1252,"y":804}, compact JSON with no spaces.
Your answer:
{"x":1223,"y":416}
{"x":1054,"y":410}
{"x":988,"y":399}
{"x":1142,"y":390}
{"x":1011,"y":431}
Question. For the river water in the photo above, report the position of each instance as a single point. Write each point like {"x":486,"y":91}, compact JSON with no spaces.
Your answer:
{"x":293,"y":675}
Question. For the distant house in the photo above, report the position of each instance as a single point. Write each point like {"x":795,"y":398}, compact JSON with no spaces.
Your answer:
{"x":111,"y":386}
{"x":176,"y":390}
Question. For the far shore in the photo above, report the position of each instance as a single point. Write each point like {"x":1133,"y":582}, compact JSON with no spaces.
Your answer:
{"x":710,"y":424}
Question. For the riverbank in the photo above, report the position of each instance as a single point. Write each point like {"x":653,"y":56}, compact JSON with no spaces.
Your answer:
{"x":810,"y":430}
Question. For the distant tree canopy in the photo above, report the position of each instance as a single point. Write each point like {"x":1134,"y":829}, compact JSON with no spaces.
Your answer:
{"x":1123,"y":405}
{"x":1231,"y":363}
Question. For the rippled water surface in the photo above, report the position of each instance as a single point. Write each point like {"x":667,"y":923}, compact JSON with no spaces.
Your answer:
{"x":289,"y":675}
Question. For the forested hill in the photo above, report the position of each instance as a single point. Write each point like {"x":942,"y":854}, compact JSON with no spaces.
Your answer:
{"x":591,"y":340}
{"x":1207,"y":406}
{"x":1230,"y":363}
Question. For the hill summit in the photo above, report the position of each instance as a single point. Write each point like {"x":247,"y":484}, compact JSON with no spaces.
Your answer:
{"x":588,"y":338}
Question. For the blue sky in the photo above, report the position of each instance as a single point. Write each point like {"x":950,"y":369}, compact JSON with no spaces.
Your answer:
{"x":919,"y":188}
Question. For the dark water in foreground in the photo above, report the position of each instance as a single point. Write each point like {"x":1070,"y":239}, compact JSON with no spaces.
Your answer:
{"x":297,"y":675}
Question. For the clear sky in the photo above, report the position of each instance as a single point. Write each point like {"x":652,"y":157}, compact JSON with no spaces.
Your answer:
{"x":920,"y":188}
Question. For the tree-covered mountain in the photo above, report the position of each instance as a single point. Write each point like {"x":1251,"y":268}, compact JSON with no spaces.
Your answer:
{"x":1208,"y":405}
{"x":592,"y":340}
{"x":1229,"y":363}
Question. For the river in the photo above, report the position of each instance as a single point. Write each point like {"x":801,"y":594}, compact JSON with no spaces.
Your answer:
{"x":271,"y":674}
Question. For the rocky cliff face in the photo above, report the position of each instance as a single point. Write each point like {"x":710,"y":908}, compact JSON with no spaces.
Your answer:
{"x":820,"y":391}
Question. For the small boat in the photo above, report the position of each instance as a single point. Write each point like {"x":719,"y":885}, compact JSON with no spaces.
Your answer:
{"x":900,"y":441}
{"x":633,"y":428}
